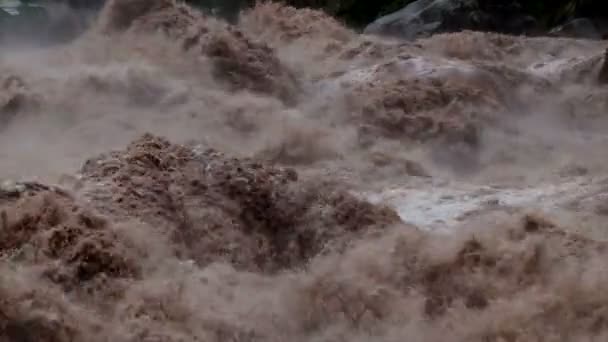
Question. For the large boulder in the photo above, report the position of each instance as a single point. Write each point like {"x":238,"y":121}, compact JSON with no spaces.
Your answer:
{"x":423,"y":18}
{"x":577,"y":28}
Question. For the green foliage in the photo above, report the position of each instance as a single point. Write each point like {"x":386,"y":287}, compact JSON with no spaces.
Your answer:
{"x":393,"y":6}
{"x":551,"y":13}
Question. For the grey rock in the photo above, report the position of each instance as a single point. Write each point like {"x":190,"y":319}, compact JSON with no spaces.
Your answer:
{"x":417,"y":19}
{"x":423,"y":18}
{"x":577,"y":28}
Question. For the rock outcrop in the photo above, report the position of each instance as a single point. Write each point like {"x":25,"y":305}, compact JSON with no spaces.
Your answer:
{"x":425,"y":17}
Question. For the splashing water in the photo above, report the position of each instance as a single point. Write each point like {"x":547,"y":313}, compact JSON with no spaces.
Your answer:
{"x":172,"y":177}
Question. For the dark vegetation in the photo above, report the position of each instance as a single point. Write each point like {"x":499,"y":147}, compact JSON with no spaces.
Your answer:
{"x":359,"y":13}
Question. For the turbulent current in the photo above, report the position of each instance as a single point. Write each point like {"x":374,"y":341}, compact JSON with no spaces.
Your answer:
{"x":168,"y":176}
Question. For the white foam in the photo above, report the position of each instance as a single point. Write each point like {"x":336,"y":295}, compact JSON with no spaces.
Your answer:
{"x":440,"y":205}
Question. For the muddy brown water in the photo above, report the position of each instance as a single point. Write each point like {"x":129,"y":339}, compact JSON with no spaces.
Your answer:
{"x":170,"y":177}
